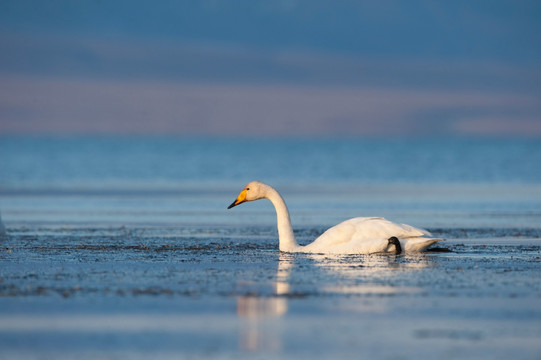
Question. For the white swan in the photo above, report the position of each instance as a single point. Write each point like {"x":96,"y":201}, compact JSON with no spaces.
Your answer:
{"x":362,"y":235}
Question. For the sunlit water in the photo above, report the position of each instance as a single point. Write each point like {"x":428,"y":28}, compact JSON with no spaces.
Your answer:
{"x":123,"y":248}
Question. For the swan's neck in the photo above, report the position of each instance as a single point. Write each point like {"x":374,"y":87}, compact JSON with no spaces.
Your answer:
{"x":285,"y":231}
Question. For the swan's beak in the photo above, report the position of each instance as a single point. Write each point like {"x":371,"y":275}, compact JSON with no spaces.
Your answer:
{"x":240,"y":199}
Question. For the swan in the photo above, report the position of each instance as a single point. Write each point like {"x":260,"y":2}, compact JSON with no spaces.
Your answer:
{"x":361,"y":235}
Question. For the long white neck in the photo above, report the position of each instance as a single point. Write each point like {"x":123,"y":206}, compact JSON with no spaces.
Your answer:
{"x":285,"y":230}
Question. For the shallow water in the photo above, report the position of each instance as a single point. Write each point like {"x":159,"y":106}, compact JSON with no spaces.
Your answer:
{"x":228,"y":292}
{"x":113,"y":252}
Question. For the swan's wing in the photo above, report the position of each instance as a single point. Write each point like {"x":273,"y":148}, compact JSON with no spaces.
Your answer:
{"x":364,"y":234}
{"x":336,"y":235}
{"x":369,"y":228}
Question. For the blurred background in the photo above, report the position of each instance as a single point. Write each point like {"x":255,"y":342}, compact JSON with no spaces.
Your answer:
{"x":271,"y":68}
{"x":173,"y":99}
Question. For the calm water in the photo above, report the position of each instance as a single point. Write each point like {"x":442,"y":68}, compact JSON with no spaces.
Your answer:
{"x":184,"y":181}
{"x":155,"y":162}
{"x":123,"y":248}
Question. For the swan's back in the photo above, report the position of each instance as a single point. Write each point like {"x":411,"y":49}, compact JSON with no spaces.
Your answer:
{"x":366,"y":235}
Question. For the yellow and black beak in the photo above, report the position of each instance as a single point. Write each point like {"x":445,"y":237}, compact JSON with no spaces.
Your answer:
{"x":240,"y":199}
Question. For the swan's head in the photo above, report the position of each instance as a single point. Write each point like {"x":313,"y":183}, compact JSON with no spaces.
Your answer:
{"x":253,"y":191}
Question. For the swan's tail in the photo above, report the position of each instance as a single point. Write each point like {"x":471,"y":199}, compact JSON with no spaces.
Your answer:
{"x":417,"y":244}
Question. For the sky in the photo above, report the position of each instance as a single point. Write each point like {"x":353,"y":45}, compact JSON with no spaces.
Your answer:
{"x":271,"y":67}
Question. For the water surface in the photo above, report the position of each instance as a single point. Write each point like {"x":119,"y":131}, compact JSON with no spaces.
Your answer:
{"x":123,"y":248}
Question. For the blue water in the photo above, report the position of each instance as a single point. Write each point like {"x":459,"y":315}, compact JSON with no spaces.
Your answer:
{"x":122,"y":247}
{"x":150,"y":180}
{"x":128,"y":161}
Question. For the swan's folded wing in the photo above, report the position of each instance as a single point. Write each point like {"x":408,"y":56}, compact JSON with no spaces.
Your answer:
{"x":336,"y":235}
{"x":377,"y":228}
{"x":354,"y":232}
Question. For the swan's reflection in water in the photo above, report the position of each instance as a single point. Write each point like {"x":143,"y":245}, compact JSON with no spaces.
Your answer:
{"x":369,"y":276}
{"x":261,"y":330}
{"x":368,"y":281}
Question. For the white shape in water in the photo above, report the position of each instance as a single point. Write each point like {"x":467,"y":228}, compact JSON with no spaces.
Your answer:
{"x":362,"y":235}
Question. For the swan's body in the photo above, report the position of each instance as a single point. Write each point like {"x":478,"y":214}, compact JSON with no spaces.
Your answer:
{"x":362,"y":235}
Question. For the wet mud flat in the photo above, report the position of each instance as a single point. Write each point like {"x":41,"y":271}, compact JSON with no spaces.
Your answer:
{"x":227,"y":292}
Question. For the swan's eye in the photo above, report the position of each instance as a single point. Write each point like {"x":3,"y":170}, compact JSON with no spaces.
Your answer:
{"x":247,"y":188}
